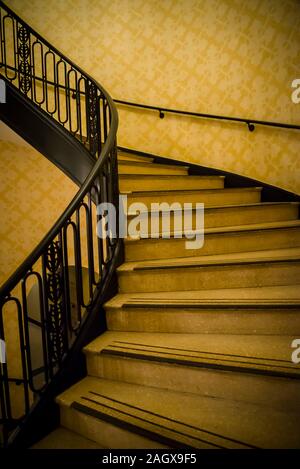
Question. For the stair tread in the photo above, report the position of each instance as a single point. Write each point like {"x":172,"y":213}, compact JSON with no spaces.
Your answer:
{"x":257,"y":295}
{"x":194,"y":191}
{"x":132,"y":157}
{"x":62,"y":438}
{"x":272,"y":255}
{"x":268,"y":353}
{"x":136,"y":156}
{"x":184,"y":418}
{"x":230,"y":229}
{"x":124,"y":159}
{"x":262,"y":205}
{"x":143,"y":164}
{"x":173,"y":176}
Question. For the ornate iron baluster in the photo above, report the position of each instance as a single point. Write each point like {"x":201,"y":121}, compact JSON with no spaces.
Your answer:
{"x":55,"y":318}
{"x":25,"y":77}
{"x":92,"y":118}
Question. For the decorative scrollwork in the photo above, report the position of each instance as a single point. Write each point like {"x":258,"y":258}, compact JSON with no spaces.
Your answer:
{"x":53,"y":256}
{"x":23,"y":33}
{"x":93,"y":121}
{"x":93,"y":127}
{"x":54,"y":291}
{"x":54,"y":287}
{"x":25,"y":84}
{"x":56,"y":331}
{"x":23,"y":51}
{"x":24,"y":58}
{"x":25,"y":68}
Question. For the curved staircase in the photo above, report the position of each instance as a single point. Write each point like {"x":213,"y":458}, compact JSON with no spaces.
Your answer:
{"x":198,"y":348}
{"x":197,"y":352}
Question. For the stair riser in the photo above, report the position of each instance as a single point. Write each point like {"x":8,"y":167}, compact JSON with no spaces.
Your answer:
{"x":206,"y":278}
{"x":235,"y":216}
{"x":208,"y":199}
{"x":222,"y":243}
{"x":147,"y":168}
{"x":211,"y":321}
{"x":248,"y":387}
{"x":106,"y":434}
{"x":154,"y":184}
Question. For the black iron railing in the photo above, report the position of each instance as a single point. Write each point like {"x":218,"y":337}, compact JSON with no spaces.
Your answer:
{"x":251,"y":123}
{"x":46,"y":303}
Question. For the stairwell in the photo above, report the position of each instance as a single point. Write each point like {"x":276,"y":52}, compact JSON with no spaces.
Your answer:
{"x":198,"y":348}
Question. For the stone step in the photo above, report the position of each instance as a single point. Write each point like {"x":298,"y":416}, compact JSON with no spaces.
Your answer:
{"x":208,"y":197}
{"x":137,"y":167}
{"x":122,"y":415}
{"x":263,"y":310}
{"x":222,"y":216}
{"x":122,"y":155}
{"x":236,"y":270}
{"x":62,"y":438}
{"x":255,"y":369}
{"x":217,"y":241}
{"x":144,"y":183}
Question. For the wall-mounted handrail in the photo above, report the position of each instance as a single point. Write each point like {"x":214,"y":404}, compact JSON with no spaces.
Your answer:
{"x":163,"y":110}
{"x":251,"y":123}
{"x":48,"y":329}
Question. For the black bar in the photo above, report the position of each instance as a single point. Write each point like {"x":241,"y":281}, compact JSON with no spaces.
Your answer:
{"x":141,"y":458}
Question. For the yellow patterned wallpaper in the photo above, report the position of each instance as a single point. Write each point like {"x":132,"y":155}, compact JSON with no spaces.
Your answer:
{"x":231,"y":57}
{"x":33,"y":193}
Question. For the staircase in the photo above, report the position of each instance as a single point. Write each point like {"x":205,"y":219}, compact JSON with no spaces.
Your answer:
{"x":197,"y":352}
{"x":198,"y":348}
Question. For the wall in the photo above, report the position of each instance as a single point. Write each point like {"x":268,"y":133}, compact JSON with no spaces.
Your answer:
{"x":33,"y":194}
{"x":231,"y":57}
